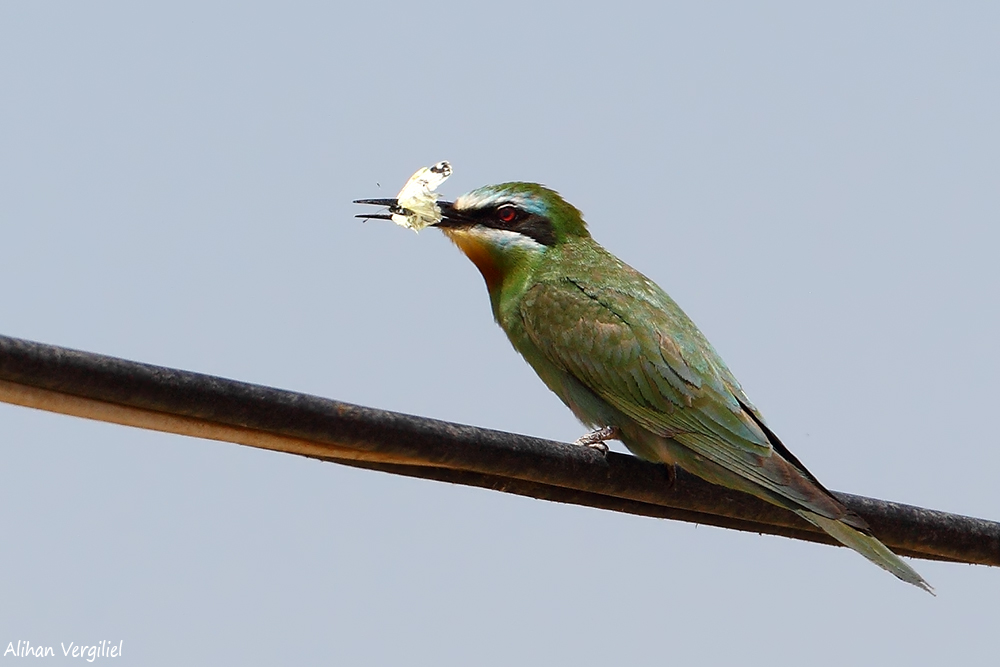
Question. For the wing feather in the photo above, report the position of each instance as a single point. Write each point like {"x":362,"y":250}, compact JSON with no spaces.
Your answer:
{"x":645,"y":357}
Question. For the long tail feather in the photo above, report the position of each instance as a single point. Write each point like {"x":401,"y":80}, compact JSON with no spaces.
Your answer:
{"x":867,"y":546}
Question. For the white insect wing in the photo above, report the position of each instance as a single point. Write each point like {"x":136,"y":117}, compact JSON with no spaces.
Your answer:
{"x":416,"y":204}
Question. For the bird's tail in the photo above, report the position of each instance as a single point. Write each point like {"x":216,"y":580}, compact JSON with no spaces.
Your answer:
{"x":867,"y":546}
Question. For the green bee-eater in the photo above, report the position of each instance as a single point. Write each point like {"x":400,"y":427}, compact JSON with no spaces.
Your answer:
{"x":626,"y":359}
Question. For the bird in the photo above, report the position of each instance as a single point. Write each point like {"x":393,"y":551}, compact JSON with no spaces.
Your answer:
{"x":626,"y":360}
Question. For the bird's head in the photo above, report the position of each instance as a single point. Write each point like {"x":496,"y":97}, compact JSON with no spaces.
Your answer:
{"x":527,"y":216}
{"x":509,"y":226}
{"x":505,"y":227}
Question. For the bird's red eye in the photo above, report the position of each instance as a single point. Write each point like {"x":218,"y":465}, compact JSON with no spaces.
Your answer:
{"x":506,"y":213}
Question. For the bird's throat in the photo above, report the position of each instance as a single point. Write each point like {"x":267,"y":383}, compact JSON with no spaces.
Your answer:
{"x":478,"y":250}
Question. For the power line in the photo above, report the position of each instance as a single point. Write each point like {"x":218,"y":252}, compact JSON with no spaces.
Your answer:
{"x":175,"y":401}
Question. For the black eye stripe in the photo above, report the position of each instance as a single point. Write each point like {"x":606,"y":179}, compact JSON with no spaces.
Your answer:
{"x":534,"y":226}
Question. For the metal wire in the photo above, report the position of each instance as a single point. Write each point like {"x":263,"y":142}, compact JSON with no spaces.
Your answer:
{"x":114,"y":390}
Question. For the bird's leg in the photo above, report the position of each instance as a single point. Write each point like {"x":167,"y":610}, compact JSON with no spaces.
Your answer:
{"x":597,"y":438}
{"x":670,"y":472}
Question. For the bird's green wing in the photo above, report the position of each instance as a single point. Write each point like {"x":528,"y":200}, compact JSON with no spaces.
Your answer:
{"x":645,"y":358}
{"x":638,"y":351}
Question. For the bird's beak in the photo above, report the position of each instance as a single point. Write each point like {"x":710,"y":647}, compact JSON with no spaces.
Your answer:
{"x":449,"y":216}
{"x":392,"y":204}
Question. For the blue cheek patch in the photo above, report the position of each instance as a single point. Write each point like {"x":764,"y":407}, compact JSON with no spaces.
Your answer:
{"x":493,"y":195}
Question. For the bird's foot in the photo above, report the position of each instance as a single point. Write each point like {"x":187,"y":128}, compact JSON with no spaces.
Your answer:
{"x":596,"y":439}
{"x":671,"y":474}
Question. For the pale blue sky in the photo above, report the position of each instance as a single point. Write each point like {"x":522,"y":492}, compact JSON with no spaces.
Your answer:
{"x":817,"y":187}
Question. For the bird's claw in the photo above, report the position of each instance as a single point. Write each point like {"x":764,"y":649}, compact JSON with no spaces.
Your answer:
{"x":599,"y":446}
{"x":596,"y":439}
{"x":671,"y":474}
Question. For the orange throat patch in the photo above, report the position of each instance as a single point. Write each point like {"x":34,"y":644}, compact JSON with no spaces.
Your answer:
{"x":479,"y":252}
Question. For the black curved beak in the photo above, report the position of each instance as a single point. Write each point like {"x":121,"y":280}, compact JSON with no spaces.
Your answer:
{"x":392,"y":204}
{"x":450,"y":217}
